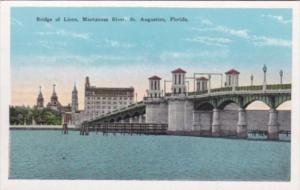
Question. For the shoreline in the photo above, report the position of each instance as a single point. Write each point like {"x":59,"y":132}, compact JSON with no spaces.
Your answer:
{"x":41,"y":127}
{"x":73,"y":128}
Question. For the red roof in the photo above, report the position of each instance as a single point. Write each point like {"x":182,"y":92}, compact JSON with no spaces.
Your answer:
{"x":201,"y":78}
{"x":179,"y":70}
{"x":155,"y":78}
{"x":232,"y":72}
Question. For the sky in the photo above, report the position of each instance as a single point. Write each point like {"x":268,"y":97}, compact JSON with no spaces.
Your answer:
{"x":123,"y":54}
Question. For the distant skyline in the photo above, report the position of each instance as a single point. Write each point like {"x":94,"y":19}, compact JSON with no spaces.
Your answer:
{"x":125,"y":54}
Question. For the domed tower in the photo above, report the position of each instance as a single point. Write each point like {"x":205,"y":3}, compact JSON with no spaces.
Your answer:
{"x":54,"y":103}
{"x":87,"y":82}
{"x":74,"y":99}
{"x":40,"y":100}
{"x":54,"y":98}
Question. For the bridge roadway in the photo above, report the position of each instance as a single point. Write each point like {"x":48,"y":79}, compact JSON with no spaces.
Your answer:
{"x":211,"y":101}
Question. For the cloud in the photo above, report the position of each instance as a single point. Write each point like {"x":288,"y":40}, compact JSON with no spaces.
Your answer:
{"x":118,"y":44}
{"x":234,"y":32}
{"x":206,"y":22}
{"x":75,"y":60}
{"x":210,"y":41}
{"x":243,"y":34}
{"x":267,"y":41}
{"x":65,"y":33}
{"x":278,"y":18}
{"x":52,"y":44}
{"x":172,"y":55}
{"x":17,"y":22}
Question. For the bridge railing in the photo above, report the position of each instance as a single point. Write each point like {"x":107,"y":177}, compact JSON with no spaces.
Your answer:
{"x":240,"y":88}
{"x":279,"y":86}
{"x":130,"y":106}
{"x":249,"y":88}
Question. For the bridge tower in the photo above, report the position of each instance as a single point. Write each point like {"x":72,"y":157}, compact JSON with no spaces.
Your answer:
{"x":180,"y":109}
{"x":232,"y":78}
{"x":156,"y":106}
{"x":201,"y":84}
{"x":178,"y":82}
{"x":154,"y":87}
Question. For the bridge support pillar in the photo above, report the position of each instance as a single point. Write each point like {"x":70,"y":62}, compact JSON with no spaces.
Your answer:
{"x":273,"y":125}
{"x":140,"y":118}
{"x":242,"y":124}
{"x":215,"y":127}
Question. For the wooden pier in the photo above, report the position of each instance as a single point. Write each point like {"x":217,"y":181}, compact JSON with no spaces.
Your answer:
{"x":265,"y":133}
{"x":125,"y":128}
{"x":65,"y":129}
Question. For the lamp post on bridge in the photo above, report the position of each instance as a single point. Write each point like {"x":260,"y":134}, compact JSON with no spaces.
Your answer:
{"x":209,"y":82}
{"x":165,"y":86}
{"x":251,"y":78}
{"x":265,"y":77}
{"x":281,"y":74}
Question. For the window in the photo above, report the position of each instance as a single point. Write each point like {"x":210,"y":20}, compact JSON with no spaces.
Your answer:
{"x":151,"y":84}
{"x":175,"y":78}
{"x":179,"y":90}
{"x":179,"y":79}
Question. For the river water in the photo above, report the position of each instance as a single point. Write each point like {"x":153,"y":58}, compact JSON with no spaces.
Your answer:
{"x":51,"y":155}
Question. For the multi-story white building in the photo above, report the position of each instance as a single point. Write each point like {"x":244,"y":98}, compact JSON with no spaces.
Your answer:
{"x":99,"y":100}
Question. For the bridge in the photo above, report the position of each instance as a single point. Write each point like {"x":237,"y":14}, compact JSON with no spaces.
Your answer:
{"x":204,"y":112}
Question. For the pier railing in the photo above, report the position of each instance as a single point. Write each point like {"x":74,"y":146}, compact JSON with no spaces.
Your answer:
{"x":127,"y":128}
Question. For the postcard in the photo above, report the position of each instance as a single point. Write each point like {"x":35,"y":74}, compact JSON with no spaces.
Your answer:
{"x":142,"y":95}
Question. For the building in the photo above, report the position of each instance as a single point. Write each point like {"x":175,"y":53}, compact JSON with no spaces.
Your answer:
{"x":54,"y":103}
{"x":74,"y":99}
{"x":40,"y":100}
{"x":232,"y":78}
{"x":99,"y":100}
{"x":77,"y":115}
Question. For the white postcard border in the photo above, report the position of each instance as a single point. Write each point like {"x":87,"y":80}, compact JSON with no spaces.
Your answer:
{"x":100,"y":184}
